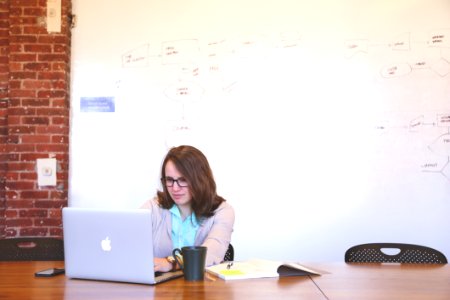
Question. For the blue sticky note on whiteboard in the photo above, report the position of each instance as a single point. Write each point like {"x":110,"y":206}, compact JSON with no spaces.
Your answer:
{"x":97,"y":104}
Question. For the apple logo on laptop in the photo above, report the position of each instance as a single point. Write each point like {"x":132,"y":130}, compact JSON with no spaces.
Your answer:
{"x":106,"y":244}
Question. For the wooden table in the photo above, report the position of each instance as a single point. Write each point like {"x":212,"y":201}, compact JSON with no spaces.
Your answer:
{"x":342,"y":281}
{"x":17,"y":281}
{"x":384,"y":281}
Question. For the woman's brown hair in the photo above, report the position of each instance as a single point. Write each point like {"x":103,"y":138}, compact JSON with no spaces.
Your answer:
{"x":194,"y":166}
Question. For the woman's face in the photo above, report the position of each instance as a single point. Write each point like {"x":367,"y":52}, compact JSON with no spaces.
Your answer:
{"x":180,"y":195}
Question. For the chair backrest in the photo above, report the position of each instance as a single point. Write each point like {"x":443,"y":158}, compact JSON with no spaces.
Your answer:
{"x":31,"y":248}
{"x":407,"y":253}
{"x":229,"y":255}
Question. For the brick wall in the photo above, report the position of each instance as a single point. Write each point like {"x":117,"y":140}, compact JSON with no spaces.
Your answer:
{"x":34,"y":117}
{"x":4,"y":75}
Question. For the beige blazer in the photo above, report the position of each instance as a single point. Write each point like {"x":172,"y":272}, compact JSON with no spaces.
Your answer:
{"x":214,"y":232}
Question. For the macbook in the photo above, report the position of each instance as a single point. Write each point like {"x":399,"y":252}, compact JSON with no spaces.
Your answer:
{"x":113,"y":245}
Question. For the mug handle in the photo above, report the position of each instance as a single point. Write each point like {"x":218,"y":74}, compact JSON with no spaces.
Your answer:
{"x":174,"y":254}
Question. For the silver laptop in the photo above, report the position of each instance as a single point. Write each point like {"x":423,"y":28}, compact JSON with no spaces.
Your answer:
{"x":113,"y":245}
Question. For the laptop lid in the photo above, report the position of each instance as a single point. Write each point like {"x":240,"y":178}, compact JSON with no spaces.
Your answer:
{"x":113,"y":245}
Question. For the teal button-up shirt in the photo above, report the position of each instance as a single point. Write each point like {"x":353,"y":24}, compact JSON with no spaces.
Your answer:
{"x":183,"y":232}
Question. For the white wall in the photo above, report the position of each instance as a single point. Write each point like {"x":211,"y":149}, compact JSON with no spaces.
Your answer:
{"x":327,"y":123}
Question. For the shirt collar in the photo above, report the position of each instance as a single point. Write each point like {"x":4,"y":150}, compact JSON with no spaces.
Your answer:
{"x":176,"y":212}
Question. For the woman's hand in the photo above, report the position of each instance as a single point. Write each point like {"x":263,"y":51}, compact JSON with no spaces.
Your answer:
{"x":162,"y":265}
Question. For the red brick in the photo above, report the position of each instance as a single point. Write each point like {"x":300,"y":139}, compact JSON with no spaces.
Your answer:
{"x":11,"y":195}
{"x":16,"y":77}
{"x":51,"y":94}
{"x":20,"y":129}
{"x":63,"y":177}
{"x":15,"y":29}
{"x":59,"y":66}
{"x":23,"y":93}
{"x":33,"y":213}
{"x":52,"y":148}
{"x":14,"y":48}
{"x":33,"y":30}
{"x":35,"y":120}
{"x":60,"y":121}
{"x":13,"y":102}
{"x":33,"y":11}
{"x":53,"y":39}
{"x":23,"y":3}
{"x":21,"y":166}
{"x":29,"y":57}
{"x":4,"y":84}
{"x":11,"y":213}
{"x":14,"y":120}
{"x":52,"y":129}
{"x":52,"y":57}
{"x":13,"y":156}
{"x":36,"y":102}
{"x":59,"y":84}
{"x":4,"y":64}
{"x":10,"y":232}
{"x":56,"y":232}
{"x":38,"y":48}
{"x":32,"y":156}
{"x":21,"y":39}
{"x":20,"y":111}
{"x":35,"y":139}
{"x":63,"y":159}
{"x":35,"y":66}
{"x":51,"y":204}
{"x":55,"y":213}
{"x":47,"y":222}
{"x":14,"y":85}
{"x":59,"y":195}
{"x":35,"y":195}
{"x":20,"y":185}
{"x":28,"y":176}
{"x":64,"y":139}
{"x":52,"y":112}
{"x":19,"y":222}
{"x":21,"y":148}
{"x":52,"y":76}
{"x":36,"y":84}
{"x":21,"y":21}
{"x":59,"y":48}
{"x":33,"y":231}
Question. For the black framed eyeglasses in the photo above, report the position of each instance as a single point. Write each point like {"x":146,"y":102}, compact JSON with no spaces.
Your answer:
{"x":169,"y":181}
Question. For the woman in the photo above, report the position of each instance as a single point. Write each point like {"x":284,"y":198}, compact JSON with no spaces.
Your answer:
{"x":188,"y":212}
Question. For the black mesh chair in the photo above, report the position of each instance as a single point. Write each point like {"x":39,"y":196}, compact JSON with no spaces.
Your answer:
{"x":229,"y":255}
{"x":406,"y":253}
{"x":31,"y":249}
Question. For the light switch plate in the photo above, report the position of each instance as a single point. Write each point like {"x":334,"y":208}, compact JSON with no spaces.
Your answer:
{"x":46,"y":169}
{"x":53,"y":15}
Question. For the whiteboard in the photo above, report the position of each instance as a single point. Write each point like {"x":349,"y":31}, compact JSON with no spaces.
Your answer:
{"x":326,"y":123}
